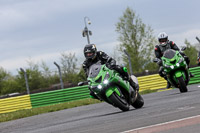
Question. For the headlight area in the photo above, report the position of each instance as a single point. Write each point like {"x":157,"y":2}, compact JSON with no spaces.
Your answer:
{"x":169,"y":67}
{"x":172,"y":67}
{"x":104,"y":84}
{"x":99,"y":86}
{"x":177,"y":64}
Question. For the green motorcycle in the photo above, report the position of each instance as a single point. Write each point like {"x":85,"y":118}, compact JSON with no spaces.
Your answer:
{"x":109,"y":86}
{"x":175,"y":68}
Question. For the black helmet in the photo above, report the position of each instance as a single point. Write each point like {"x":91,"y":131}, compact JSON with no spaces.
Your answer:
{"x":90,"y":51}
{"x":163,"y":38}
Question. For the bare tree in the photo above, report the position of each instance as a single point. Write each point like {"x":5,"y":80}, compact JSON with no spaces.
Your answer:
{"x":69,"y":63}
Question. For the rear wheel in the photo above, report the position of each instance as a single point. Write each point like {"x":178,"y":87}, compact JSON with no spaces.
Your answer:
{"x":119,"y":101}
{"x":139,"y":102}
{"x":182,"y":85}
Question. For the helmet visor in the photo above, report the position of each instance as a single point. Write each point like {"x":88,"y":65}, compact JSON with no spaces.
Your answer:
{"x":163,"y":40}
{"x":89,"y":54}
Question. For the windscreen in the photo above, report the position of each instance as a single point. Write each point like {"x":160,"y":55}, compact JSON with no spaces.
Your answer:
{"x":169,"y":53}
{"x":94,"y":70}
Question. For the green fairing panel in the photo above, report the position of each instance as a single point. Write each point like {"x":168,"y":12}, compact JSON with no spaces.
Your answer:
{"x":110,"y":91}
{"x":178,"y":74}
{"x":118,"y":80}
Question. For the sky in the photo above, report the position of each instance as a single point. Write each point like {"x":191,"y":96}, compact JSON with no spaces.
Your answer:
{"x":40,"y":30}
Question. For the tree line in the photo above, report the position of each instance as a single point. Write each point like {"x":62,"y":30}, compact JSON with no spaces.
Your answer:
{"x":134,"y":36}
{"x":41,"y":78}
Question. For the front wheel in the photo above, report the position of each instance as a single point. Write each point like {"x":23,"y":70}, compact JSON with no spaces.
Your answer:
{"x":182,"y":85}
{"x":119,"y":102}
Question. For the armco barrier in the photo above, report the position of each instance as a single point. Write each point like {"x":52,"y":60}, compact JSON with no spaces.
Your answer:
{"x":196,"y":78}
{"x":15,"y":103}
{"x":151,"y":82}
{"x":59,"y":96}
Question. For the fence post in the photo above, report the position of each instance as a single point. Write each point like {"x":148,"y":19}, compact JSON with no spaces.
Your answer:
{"x":198,"y":54}
{"x":26,"y":80}
{"x":59,"y":70}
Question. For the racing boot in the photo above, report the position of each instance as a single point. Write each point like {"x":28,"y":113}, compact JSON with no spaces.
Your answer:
{"x":168,"y":85}
{"x":93,"y":96}
{"x":134,"y":85}
{"x":130,"y":80}
{"x":125,"y":76}
{"x":191,"y":75}
{"x":188,"y":63}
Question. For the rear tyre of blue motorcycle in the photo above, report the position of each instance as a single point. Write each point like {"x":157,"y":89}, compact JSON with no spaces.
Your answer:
{"x":119,"y":102}
{"x":182,"y":85}
{"x":139,"y":102}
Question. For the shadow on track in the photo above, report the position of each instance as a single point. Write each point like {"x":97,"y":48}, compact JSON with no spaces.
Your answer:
{"x":179,"y":93}
{"x":89,"y":117}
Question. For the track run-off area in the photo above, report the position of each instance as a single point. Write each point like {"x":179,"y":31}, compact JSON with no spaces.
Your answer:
{"x":163,"y":112}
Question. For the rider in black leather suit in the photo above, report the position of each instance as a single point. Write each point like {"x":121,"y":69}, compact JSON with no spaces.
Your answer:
{"x":165,"y":44}
{"x":93,"y":56}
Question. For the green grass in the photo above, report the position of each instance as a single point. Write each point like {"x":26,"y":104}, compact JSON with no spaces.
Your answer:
{"x":52,"y":108}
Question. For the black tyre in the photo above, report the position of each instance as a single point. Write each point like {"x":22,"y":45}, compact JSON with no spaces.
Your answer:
{"x":119,"y":102}
{"x":139,"y":102}
{"x":182,"y":85}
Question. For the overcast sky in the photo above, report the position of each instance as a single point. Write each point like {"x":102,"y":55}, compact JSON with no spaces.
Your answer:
{"x":41,"y":30}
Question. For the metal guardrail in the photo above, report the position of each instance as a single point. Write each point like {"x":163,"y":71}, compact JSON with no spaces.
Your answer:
{"x":15,"y":103}
{"x":196,"y":78}
{"x":59,"y":96}
{"x":151,"y":82}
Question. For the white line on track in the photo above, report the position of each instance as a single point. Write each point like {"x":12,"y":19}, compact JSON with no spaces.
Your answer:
{"x":160,"y":124}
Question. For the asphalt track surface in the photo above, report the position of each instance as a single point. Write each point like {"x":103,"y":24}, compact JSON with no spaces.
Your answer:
{"x":159,"y":107}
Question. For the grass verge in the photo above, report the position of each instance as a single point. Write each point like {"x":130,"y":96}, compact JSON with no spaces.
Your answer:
{"x":52,"y":108}
{"x":45,"y":109}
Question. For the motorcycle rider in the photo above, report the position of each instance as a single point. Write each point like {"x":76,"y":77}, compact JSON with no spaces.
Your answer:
{"x":93,"y":56}
{"x":165,"y":44}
